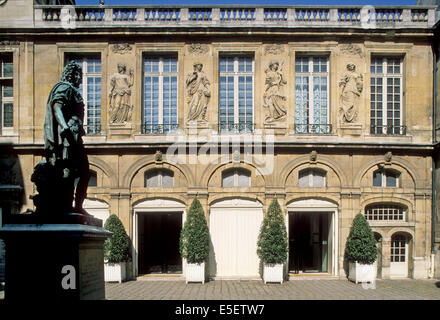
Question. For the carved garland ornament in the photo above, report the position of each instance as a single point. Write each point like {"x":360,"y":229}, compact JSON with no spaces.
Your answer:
{"x":198,"y":48}
{"x":352,"y":50}
{"x":273,"y":49}
{"x":121,"y":48}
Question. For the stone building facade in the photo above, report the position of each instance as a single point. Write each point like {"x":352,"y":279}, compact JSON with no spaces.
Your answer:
{"x":329,"y":110}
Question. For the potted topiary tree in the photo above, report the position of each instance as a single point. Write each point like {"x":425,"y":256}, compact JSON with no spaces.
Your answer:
{"x":116,"y":251}
{"x":272,"y":246}
{"x":361,"y":251}
{"x":194,"y":243}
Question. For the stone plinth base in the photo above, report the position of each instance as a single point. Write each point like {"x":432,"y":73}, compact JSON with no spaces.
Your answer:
{"x":351,"y":129}
{"x":120,"y":131}
{"x":54,"y":261}
{"x":276,"y":127}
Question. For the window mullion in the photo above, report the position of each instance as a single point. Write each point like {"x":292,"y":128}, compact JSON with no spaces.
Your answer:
{"x":311,"y":102}
{"x":160,"y":111}
{"x":385,"y":97}
{"x":236,"y":93}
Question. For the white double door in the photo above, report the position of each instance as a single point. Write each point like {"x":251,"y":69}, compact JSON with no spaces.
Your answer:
{"x":234,"y":235}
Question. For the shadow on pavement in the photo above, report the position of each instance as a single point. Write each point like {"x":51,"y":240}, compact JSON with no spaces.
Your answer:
{"x":437,"y":284}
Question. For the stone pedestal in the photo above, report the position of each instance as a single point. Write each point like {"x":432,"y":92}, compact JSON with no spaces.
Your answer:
{"x":276,"y":128}
{"x":120,"y":131}
{"x":351,"y":129}
{"x":54,"y":261}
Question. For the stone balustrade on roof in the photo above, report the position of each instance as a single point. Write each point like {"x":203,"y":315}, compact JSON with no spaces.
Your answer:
{"x":234,"y":16}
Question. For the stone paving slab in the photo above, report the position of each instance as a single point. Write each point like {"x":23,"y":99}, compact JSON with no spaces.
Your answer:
{"x":406,"y":289}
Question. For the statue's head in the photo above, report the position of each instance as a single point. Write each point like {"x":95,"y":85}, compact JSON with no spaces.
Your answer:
{"x":198,"y":66}
{"x":351,"y":67}
{"x":122,"y":67}
{"x":72,"y":73}
{"x":274,"y":65}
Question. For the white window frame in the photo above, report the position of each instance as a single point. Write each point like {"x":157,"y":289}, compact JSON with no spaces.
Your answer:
{"x":384,"y":174}
{"x":402,"y":242}
{"x":385,"y":76}
{"x":160,"y":74}
{"x":6,"y":100}
{"x":310,"y":76}
{"x":376,"y":212}
{"x":236,"y":74}
{"x":235,"y":174}
{"x":159,"y":174}
{"x":311,"y":175}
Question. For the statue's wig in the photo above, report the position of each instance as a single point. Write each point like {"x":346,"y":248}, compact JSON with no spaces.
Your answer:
{"x":69,"y":70}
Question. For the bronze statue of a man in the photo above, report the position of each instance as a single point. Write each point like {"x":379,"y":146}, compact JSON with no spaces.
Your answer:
{"x":65,"y":155}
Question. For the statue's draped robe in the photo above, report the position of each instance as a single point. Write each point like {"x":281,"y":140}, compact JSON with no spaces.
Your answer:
{"x":272,"y":97}
{"x":199,"y":94}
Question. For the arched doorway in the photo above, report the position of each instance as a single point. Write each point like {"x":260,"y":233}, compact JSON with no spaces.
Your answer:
{"x":234,"y":226}
{"x":156,"y":231}
{"x":313,"y":236}
{"x":399,"y":255}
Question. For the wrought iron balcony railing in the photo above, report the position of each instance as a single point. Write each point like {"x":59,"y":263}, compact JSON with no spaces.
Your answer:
{"x":92,"y":129}
{"x":242,"y":127}
{"x":313,"y":128}
{"x":388,"y":130}
{"x":158,"y":128}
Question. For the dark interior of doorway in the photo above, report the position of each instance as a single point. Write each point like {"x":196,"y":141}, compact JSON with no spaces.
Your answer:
{"x":159,"y":242}
{"x":308,"y":242}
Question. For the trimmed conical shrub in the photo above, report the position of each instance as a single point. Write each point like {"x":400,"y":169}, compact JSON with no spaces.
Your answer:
{"x":194,"y":238}
{"x":272,"y":240}
{"x":361,"y":245}
{"x":117,"y":247}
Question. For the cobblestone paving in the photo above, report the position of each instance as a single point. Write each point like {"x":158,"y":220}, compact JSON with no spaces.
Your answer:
{"x":406,"y":289}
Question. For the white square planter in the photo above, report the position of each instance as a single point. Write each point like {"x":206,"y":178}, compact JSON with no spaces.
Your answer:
{"x":359,"y":272}
{"x":114,"y":272}
{"x":195,"y":272}
{"x":273,"y":273}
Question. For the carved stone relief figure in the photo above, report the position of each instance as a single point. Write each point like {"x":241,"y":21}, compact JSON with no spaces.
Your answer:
{"x":272,"y":98}
{"x":352,"y":85}
{"x":120,"y":93}
{"x":199,"y":93}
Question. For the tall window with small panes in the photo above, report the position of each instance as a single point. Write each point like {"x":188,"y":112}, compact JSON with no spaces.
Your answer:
{"x":6,"y":93}
{"x":90,"y":89}
{"x":236,"y":88}
{"x":386,"y":96}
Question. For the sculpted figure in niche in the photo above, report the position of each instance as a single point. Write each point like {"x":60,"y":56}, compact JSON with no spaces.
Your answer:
{"x":120,"y":92}
{"x":352,"y":85}
{"x":65,"y":158}
{"x":272,"y":98}
{"x":198,"y":88}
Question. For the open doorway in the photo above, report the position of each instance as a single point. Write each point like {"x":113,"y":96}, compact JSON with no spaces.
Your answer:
{"x":309,"y":238}
{"x":158,"y":245}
